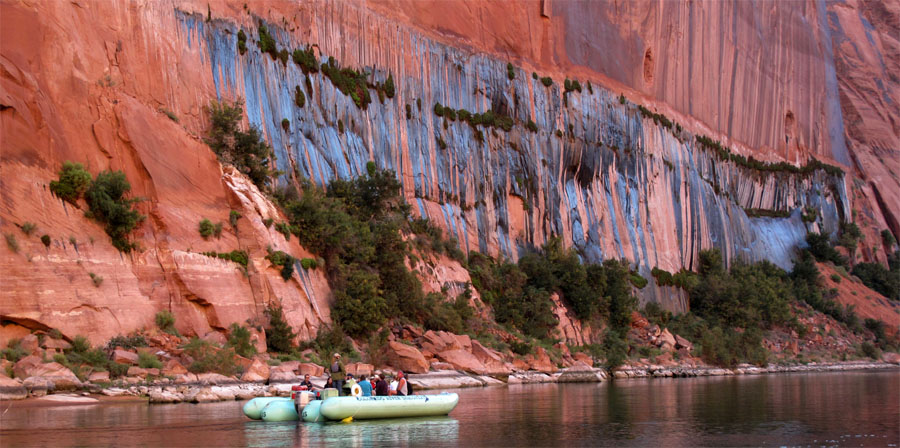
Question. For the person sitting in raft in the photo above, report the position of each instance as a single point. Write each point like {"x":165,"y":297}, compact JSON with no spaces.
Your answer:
{"x":306,"y":382}
{"x":381,"y":386}
{"x":366,"y":386}
{"x":337,"y":373}
{"x":329,"y":383}
{"x":348,"y":384}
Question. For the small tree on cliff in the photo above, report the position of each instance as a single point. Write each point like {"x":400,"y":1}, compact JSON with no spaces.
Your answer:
{"x":279,"y":335}
{"x":73,"y":181}
{"x":247,"y":151}
{"x":108,"y":204}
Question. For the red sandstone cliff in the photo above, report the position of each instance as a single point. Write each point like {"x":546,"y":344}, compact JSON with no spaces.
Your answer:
{"x":89,"y":81}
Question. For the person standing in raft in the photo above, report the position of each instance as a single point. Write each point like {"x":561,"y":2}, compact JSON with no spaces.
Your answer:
{"x":338,"y":373}
{"x":402,"y":384}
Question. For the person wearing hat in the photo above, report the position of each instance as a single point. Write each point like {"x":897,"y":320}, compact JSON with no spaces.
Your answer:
{"x":338,"y":374}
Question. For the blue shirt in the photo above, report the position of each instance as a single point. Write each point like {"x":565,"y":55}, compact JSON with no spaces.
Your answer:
{"x":366,"y":388}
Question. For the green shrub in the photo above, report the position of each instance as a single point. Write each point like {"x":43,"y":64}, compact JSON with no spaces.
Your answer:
{"x":73,"y":182}
{"x":11,"y":242}
{"x":98,"y":280}
{"x":350,"y":82}
{"x":887,"y":238}
{"x":14,"y":351}
{"x":510,"y":71}
{"x":28,"y":228}
{"x":165,"y":321}
{"x":821,"y":248}
{"x":239,"y":340}
{"x":308,"y":263}
{"x":438,"y":109}
{"x":534,"y":75}
{"x":206,"y":228}
{"x":209,"y":358}
{"x":615,"y":348}
{"x":284,"y":229}
{"x":306,"y":59}
{"x":233,"y":217}
{"x":572,"y":86}
{"x":637,"y":280}
{"x":247,"y":151}
{"x":408,"y":112}
{"x":358,"y":306}
{"x":340,"y":126}
{"x":388,"y":87}
{"x":117,"y":370}
{"x":46,"y":240}
{"x":299,"y":97}
{"x":875,"y":276}
{"x":108,"y":205}
{"x":870,"y":350}
{"x":547,"y":81}
{"x":169,"y":114}
{"x":279,"y":335}
{"x":266,"y":42}
{"x":532,"y":126}
{"x":521,"y":348}
{"x":836,"y":278}
{"x":82,"y":353}
{"x":148,"y":361}
{"x":242,"y":42}
{"x":268,"y":222}
{"x":127,"y":342}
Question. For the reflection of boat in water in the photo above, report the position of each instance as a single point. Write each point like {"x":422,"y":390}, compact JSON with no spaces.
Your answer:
{"x":369,"y":408}
{"x":332,"y":408}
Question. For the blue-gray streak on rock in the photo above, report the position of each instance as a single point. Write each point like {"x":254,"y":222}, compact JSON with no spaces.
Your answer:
{"x":620,"y":187}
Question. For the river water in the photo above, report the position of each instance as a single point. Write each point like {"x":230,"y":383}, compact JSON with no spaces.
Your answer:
{"x":836,"y":409}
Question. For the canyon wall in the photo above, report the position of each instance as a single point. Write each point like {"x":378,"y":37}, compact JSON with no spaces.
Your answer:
{"x":94,"y":82}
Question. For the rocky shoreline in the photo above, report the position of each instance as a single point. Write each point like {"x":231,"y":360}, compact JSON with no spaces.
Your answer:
{"x":214,"y":388}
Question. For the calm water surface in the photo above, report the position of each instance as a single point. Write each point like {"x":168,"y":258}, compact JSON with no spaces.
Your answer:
{"x":838,"y":409}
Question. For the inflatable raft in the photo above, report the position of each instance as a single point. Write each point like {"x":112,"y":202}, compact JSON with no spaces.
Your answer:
{"x":366,"y":408}
{"x":254,"y":407}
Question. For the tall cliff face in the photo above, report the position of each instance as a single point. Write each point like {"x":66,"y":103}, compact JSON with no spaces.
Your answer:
{"x":613,"y":183}
{"x":97,"y":84}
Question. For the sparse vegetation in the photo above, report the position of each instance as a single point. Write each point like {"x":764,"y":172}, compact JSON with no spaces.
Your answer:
{"x":510,"y":71}
{"x":28,"y":228}
{"x":349,"y":81}
{"x":210,"y":358}
{"x":165,"y":321}
{"x":233,"y":217}
{"x":206,"y":228}
{"x":547,"y":81}
{"x":46,"y":240}
{"x":108,"y":205}
{"x":242,"y":42}
{"x":247,"y":151}
{"x":98,"y":280}
{"x":239,"y":340}
{"x":299,"y":97}
{"x":279,"y":335}
{"x":148,"y":361}
{"x":73,"y":182}
{"x":306,"y":59}
{"x":238,"y":256}
{"x":11,"y":242}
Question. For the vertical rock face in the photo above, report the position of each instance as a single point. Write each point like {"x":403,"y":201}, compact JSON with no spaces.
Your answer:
{"x":100,"y":85}
{"x":613,"y":183}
